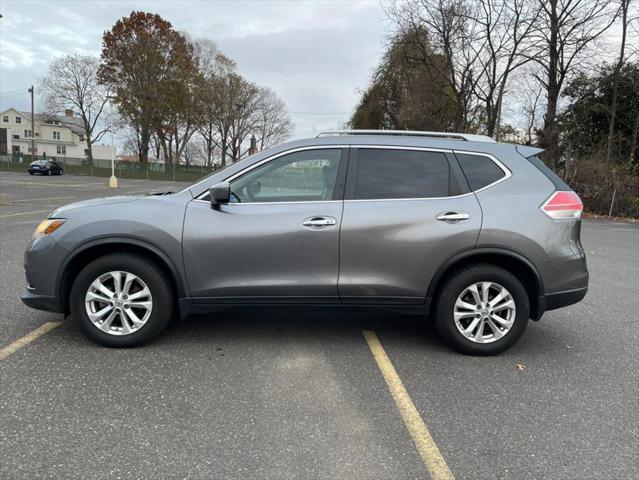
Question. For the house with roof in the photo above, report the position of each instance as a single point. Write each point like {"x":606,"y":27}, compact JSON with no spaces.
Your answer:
{"x":59,"y":136}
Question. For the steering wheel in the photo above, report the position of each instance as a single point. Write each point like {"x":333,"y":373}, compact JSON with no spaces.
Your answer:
{"x":238,"y":199}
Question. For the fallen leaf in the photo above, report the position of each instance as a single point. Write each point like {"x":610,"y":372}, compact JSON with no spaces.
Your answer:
{"x":520,"y":366}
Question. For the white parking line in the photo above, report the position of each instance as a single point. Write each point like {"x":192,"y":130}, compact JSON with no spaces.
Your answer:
{"x":39,"y":199}
{"x":33,"y":212}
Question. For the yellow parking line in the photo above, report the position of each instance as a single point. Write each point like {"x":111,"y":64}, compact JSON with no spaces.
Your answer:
{"x":32,"y":212}
{"x":28,"y":338}
{"x":431,"y":456}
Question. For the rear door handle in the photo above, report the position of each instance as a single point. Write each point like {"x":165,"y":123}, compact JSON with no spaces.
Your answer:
{"x":453,"y":217}
{"x":319,"y":222}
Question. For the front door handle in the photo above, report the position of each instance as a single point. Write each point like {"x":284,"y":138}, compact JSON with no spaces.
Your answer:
{"x":453,"y":217}
{"x":319,"y":222}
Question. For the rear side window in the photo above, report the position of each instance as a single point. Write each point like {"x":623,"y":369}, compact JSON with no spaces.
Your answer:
{"x":390,"y":173}
{"x":480,"y":171}
{"x":552,"y":176}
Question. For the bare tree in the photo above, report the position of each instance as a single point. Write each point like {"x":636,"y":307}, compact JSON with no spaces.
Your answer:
{"x":446,"y":28}
{"x":215,"y":68}
{"x":625,"y":20}
{"x":273,"y":124}
{"x":72,"y":83}
{"x":243,"y":103}
{"x":566,"y":28}
{"x":531,"y":92}
{"x":503,"y":31}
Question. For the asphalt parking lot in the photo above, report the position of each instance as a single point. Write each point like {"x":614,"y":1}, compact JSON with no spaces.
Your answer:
{"x":299,"y":394}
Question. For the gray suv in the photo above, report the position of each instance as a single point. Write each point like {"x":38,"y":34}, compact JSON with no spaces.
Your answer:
{"x":479,"y":236}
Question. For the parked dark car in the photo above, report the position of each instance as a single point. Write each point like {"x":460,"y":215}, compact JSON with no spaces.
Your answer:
{"x":479,"y":236}
{"x":45,"y":167}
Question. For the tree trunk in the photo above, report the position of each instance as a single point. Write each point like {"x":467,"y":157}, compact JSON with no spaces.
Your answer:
{"x":87,"y":140}
{"x":223,"y":161}
{"x":615,"y":82}
{"x":633,"y":144}
{"x":145,"y":139}
{"x":551,"y":153}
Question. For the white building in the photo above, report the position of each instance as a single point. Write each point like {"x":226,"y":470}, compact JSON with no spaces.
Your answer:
{"x":55,"y":136}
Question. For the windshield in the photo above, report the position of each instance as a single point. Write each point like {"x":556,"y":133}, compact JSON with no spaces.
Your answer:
{"x":191,"y":185}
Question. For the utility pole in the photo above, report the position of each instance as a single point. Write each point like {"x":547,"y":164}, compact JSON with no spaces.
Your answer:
{"x":33,"y":151}
{"x":113,"y":181}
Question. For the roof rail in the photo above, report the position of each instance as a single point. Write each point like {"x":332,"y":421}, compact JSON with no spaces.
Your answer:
{"x":410,"y":133}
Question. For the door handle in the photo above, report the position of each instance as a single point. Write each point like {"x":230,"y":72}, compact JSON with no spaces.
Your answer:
{"x":453,"y":217}
{"x":319,"y":222}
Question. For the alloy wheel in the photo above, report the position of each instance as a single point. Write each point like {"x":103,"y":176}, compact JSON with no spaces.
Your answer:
{"x":118,"y":303}
{"x":484,"y":312}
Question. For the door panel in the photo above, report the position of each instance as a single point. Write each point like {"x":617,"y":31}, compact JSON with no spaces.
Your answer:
{"x":271,"y":243}
{"x":390,"y":249}
{"x":261,"y":250}
{"x":392,"y":241}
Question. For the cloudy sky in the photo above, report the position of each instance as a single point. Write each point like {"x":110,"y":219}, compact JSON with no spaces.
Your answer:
{"x":316,"y":55}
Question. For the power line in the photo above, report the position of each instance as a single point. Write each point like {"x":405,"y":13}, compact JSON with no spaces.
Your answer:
{"x":15,"y":94}
{"x":320,"y":113}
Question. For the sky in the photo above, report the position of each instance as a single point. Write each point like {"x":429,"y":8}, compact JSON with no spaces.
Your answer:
{"x":317,"y":55}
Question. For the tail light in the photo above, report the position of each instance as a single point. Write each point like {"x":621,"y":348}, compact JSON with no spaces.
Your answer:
{"x":563,"y":205}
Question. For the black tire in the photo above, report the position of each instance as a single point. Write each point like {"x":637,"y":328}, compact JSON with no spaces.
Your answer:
{"x":454,"y":285}
{"x":30,"y":173}
{"x":149,"y":273}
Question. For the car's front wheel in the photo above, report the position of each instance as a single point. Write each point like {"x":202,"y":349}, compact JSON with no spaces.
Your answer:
{"x":122,"y":300}
{"x":482,"y":310}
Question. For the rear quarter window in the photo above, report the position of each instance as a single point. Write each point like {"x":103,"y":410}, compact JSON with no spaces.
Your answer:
{"x":480,"y":171}
{"x":552,"y":176}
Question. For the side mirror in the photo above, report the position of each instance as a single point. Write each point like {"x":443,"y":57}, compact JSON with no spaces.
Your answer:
{"x":220,"y":193}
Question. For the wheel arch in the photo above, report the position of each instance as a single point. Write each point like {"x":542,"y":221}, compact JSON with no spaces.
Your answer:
{"x":89,"y":251}
{"x":514,"y":262}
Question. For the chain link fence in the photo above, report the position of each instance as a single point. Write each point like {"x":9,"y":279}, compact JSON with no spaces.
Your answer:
{"x":102,"y":168}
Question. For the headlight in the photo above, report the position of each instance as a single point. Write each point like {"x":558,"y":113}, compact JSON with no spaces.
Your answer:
{"x":48,"y":226}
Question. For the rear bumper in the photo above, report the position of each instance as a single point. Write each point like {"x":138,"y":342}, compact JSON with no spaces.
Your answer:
{"x":565,"y":282}
{"x":563,"y":299}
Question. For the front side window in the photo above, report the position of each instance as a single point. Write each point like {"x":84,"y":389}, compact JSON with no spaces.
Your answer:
{"x":393,"y":173}
{"x":27,"y":134}
{"x":304,"y":176}
{"x":5,"y":118}
{"x":56,"y":135}
{"x":18,"y":119}
{"x":61,"y":149}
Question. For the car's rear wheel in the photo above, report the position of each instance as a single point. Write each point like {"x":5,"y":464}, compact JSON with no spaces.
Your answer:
{"x":482,"y":310}
{"x":122,"y":300}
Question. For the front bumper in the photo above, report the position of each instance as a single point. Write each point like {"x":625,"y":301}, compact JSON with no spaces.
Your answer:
{"x":43,"y":260}
{"x":42,"y":302}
